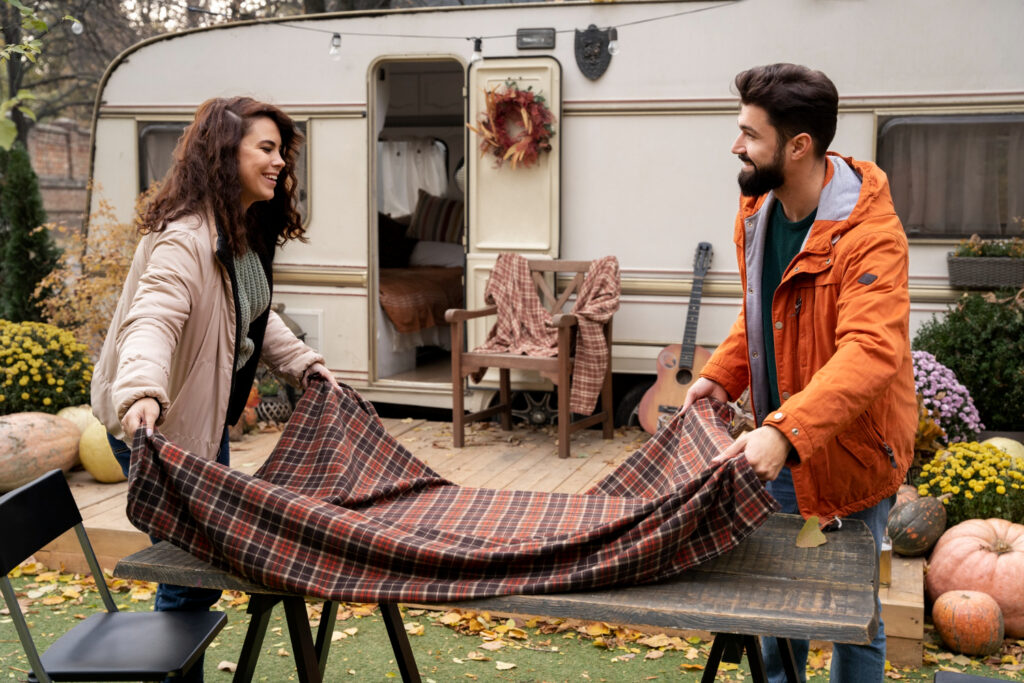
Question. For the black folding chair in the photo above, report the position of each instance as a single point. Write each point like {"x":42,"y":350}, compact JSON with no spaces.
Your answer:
{"x":108,"y":646}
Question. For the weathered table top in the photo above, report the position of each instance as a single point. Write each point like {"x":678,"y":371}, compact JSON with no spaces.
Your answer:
{"x":765,"y":586}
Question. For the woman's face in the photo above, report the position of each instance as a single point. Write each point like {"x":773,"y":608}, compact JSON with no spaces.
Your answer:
{"x":259,"y":161}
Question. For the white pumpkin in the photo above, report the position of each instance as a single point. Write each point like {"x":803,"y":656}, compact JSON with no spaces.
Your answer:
{"x":97,"y":457}
{"x":1009,"y":446}
{"x":81,"y":416}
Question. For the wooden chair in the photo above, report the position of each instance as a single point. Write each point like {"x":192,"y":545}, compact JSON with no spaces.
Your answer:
{"x":465,"y":363}
{"x":107,"y":646}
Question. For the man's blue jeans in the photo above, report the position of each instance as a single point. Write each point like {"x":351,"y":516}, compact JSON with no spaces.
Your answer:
{"x":850,"y":663}
{"x":170,"y":598}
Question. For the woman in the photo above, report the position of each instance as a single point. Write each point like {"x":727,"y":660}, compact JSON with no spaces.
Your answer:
{"x":193,"y":319}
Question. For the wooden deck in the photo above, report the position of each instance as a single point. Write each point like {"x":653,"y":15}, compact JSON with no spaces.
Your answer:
{"x":525,"y":458}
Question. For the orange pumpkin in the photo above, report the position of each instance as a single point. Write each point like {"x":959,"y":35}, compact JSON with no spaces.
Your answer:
{"x":984,"y":555}
{"x":32,"y":444}
{"x":969,"y":622}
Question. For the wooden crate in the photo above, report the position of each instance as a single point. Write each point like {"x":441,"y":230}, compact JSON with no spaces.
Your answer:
{"x":903,"y":611}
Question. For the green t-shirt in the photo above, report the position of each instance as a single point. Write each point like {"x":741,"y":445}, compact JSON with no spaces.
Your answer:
{"x":782,"y":243}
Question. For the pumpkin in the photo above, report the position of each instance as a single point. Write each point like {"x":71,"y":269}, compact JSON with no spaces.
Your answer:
{"x":1009,"y":446}
{"x":97,"y":456}
{"x":32,"y":444}
{"x":915,"y":526}
{"x":906,"y":493}
{"x":81,"y":416}
{"x":984,"y":555}
{"x":969,"y":622}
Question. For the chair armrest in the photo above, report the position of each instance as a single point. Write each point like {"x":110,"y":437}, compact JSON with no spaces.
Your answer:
{"x":563,"y":320}
{"x":457,"y":315}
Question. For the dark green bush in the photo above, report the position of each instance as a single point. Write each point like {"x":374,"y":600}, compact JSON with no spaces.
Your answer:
{"x":981,"y":339}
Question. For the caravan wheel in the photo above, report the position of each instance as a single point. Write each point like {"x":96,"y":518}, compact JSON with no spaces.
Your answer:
{"x":627,"y":409}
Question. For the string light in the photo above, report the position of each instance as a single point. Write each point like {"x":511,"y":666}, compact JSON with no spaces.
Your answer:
{"x":335,"y":48}
{"x":478,"y":52}
{"x":613,"y":42}
{"x":77,"y":28}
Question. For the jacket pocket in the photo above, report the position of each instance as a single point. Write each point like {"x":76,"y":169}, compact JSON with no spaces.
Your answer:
{"x":864,"y":441}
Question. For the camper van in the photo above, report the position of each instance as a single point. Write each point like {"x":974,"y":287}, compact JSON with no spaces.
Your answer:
{"x":401,"y":203}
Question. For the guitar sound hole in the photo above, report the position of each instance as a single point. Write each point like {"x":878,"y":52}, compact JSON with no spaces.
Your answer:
{"x":684,"y":376}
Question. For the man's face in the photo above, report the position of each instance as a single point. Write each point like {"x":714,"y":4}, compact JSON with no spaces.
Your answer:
{"x":759,"y":148}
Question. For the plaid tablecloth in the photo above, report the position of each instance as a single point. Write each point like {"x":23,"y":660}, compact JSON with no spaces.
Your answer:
{"x":342,"y":510}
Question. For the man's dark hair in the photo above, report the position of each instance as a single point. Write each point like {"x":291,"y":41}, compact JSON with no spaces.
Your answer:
{"x":796,"y":99}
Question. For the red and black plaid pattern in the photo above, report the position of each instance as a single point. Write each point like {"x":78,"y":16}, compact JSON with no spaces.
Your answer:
{"x":341,"y":510}
{"x":522,"y":325}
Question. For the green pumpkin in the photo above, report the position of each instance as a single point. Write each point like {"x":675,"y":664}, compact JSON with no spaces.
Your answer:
{"x":915,"y":526}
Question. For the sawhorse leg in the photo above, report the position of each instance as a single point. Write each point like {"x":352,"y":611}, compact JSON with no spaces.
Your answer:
{"x":400,"y":643}
{"x":729,"y":647}
{"x":310,"y":659}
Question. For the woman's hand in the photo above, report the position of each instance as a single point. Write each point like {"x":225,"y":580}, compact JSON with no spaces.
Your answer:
{"x":142,"y":413}
{"x":320,"y":370}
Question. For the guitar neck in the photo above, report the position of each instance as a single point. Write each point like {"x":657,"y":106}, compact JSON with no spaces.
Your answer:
{"x":692,"y":316}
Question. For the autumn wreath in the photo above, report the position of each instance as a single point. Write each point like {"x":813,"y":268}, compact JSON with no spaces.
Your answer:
{"x":516,"y":125}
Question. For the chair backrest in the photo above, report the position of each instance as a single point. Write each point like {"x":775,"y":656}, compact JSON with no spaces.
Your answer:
{"x":34,"y":515}
{"x":540,"y":270}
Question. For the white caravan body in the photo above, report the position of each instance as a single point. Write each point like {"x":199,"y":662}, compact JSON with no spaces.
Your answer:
{"x":640,"y":166}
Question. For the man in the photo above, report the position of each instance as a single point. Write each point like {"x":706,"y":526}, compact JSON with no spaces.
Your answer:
{"x":823,"y":336}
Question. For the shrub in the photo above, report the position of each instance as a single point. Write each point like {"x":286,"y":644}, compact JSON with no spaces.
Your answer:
{"x":85,"y":286}
{"x":981,"y":482}
{"x":947,"y":401}
{"x":981,"y":339}
{"x":42,"y":368}
{"x":29,"y":252}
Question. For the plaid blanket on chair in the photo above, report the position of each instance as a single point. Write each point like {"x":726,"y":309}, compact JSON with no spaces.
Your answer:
{"x":341,"y":510}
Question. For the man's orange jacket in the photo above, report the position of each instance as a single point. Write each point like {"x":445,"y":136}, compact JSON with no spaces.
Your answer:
{"x":842,"y":348}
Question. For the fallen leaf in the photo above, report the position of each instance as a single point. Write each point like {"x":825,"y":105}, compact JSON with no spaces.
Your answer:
{"x":810,"y":535}
{"x":352,"y":631}
{"x":338,"y":635}
{"x":504,"y":666}
{"x":478,"y":656}
{"x":227,"y":666}
{"x":281,"y":652}
{"x":654,"y":654}
{"x":414,"y":628}
{"x":493,"y":645}
{"x":960,"y":660}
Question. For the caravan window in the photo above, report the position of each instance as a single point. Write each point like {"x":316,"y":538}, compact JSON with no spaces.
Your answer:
{"x":954,"y":176}
{"x":156,"y":146}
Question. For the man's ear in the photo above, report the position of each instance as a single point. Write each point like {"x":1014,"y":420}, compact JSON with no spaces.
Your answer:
{"x":800,"y":145}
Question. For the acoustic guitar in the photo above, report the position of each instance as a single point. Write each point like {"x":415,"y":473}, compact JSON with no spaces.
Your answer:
{"x":678,"y":364}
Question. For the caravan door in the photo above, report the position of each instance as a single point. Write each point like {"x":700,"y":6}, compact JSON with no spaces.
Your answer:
{"x":509,"y":209}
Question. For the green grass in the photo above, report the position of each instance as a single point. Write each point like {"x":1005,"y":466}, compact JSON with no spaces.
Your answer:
{"x":544,"y":650}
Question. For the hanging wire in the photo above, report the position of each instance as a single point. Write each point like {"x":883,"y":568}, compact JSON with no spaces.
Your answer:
{"x":415,"y":36}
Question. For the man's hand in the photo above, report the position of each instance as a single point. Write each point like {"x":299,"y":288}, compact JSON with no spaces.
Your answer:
{"x":705,"y":387}
{"x":142,"y":413}
{"x":765,"y":448}
{"x":320,"y":370}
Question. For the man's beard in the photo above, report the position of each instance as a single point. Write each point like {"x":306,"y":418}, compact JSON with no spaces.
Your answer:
{"x":760,"y":180}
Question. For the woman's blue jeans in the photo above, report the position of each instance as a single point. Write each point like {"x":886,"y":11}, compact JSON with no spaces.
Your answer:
{"x":850,"y":663}
{"x":170,"y":598}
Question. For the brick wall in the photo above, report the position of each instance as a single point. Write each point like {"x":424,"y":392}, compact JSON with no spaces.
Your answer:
{"x":60,"y":157}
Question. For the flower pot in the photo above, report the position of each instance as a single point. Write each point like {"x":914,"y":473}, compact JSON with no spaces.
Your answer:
{"x":985,"y":272}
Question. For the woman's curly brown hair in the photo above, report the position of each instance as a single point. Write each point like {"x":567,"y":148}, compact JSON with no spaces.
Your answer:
{"x":204,"y":177}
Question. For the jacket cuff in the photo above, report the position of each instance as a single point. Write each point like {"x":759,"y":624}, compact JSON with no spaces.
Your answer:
{"x":793,"y":431}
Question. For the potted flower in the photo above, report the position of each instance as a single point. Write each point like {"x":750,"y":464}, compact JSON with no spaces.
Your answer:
{"x":987,"y":263}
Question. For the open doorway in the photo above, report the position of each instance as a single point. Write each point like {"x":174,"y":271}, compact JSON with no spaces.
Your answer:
{"x":420,"y":218}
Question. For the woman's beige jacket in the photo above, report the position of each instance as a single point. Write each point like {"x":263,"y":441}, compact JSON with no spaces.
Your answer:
{"x":172,"y":338}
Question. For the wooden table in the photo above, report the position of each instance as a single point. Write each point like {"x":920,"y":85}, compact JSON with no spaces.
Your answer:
{"x":765,"y":586}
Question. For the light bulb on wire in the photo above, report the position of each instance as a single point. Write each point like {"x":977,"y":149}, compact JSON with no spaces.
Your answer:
{"x":613,"y":41}
{"x":335,"y":51}
{"x":477,"y":50}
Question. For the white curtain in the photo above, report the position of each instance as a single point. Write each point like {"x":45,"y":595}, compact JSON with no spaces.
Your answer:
{"x":955,"y":175}
{"x":404,"y":168}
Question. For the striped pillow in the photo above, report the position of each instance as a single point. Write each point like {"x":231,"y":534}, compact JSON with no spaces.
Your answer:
{"x":437,"y":219}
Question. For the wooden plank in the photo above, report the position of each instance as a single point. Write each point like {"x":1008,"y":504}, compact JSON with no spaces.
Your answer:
{"x":765,"y":586}
{"x":598,"y":466}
